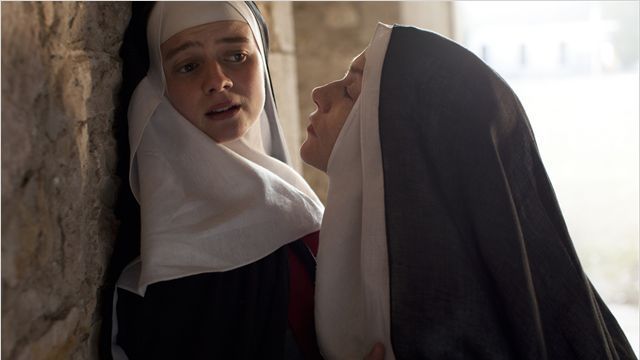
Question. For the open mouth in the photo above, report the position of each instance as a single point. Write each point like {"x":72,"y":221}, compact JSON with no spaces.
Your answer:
{"x":223,"y":112}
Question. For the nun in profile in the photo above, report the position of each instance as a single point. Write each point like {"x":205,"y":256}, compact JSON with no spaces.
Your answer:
{"x":442,"y":237}
{"x":214,"y":257}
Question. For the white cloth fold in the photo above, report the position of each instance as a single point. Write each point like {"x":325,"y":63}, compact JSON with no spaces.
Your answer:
{"x":207,"y":206}
{"x":352,"y":279}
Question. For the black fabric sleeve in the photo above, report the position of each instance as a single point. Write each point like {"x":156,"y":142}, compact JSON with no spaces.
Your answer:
{"x":237,"y":314}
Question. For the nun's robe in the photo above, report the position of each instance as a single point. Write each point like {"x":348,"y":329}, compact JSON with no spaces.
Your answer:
{"x":481,"y":264}
{"x":213,"y":268}
{"x":472,"y":258}
{"x":261,"y":310}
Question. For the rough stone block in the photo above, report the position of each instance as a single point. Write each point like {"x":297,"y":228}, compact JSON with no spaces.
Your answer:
{"x":60,"y":72}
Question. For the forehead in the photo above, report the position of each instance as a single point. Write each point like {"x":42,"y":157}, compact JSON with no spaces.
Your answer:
{"x":212,"y":31}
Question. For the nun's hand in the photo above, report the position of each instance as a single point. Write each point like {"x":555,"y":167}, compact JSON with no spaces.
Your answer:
{"x":377,"y":352}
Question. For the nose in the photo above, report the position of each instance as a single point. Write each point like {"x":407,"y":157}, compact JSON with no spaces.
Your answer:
{"x":320,"y":98}
{"x":216,"y":79}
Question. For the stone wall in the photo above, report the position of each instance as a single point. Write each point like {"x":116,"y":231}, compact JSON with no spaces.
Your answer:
{"x":60,"y":71}
{"x":328,"y":35}
{"x":282,"y":65}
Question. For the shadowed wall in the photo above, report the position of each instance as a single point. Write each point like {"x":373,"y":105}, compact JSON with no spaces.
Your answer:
{"x":60,"y":71}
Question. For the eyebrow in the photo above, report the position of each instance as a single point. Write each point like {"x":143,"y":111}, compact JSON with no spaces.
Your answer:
{"x":189,"y":44}
{"x":234,"y":39}
{"x":184,"y":46}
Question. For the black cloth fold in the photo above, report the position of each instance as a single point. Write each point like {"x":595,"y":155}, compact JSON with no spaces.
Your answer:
{"x":237,"y":314}
{"x":481,"y":262}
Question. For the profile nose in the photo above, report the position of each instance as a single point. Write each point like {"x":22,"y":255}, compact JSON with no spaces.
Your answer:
{"x":216,"y":80}
{"x":319,"y":97}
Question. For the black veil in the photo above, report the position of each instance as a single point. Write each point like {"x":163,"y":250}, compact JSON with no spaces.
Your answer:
{"x":481,"y":264}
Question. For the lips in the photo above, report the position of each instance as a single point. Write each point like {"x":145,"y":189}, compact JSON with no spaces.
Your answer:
{"x":311,"y":130}
{"x":222,"y":111}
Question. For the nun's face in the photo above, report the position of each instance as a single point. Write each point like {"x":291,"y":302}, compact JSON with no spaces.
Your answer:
{"x":215,"y":78}
{"x":334,"y":102}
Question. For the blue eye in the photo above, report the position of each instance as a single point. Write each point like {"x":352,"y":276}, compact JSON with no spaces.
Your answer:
{"x":236,"y":58}
{"x":187,"y":68}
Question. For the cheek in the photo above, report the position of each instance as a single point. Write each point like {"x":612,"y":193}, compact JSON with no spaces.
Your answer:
{"x":177,"y":91}
{"x":180,"y":100}
{"x":252,"y":80}
{"x":313,"y":153}
{"x":183,"y":98}
{"x":334,"y":127}
{"x":257,"y":91}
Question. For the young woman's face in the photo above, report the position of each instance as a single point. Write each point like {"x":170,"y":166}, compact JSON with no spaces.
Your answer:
{"x":334,"y":102}
{"x":215,"y":78}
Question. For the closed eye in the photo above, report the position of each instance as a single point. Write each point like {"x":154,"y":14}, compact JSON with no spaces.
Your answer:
{"x":346,"y":93}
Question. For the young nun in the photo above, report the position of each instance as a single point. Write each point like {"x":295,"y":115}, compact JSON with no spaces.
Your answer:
{"x":218,"y":231}
{"x":442,"y":236}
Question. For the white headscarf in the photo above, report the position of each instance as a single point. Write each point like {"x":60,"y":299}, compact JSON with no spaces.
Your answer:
{"x":352,"y":278}
{"x":207,"y":207}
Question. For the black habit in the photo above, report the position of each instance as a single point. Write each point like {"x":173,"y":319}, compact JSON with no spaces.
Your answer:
{"x":481,"y":262}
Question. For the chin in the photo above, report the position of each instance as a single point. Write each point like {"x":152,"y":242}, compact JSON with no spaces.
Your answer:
{"x":228,"y":133}
{"x":311,"y":157}
{"x":305,"y":153}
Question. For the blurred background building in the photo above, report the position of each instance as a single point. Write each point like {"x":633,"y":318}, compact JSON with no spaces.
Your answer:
{"x":574,"y":66}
